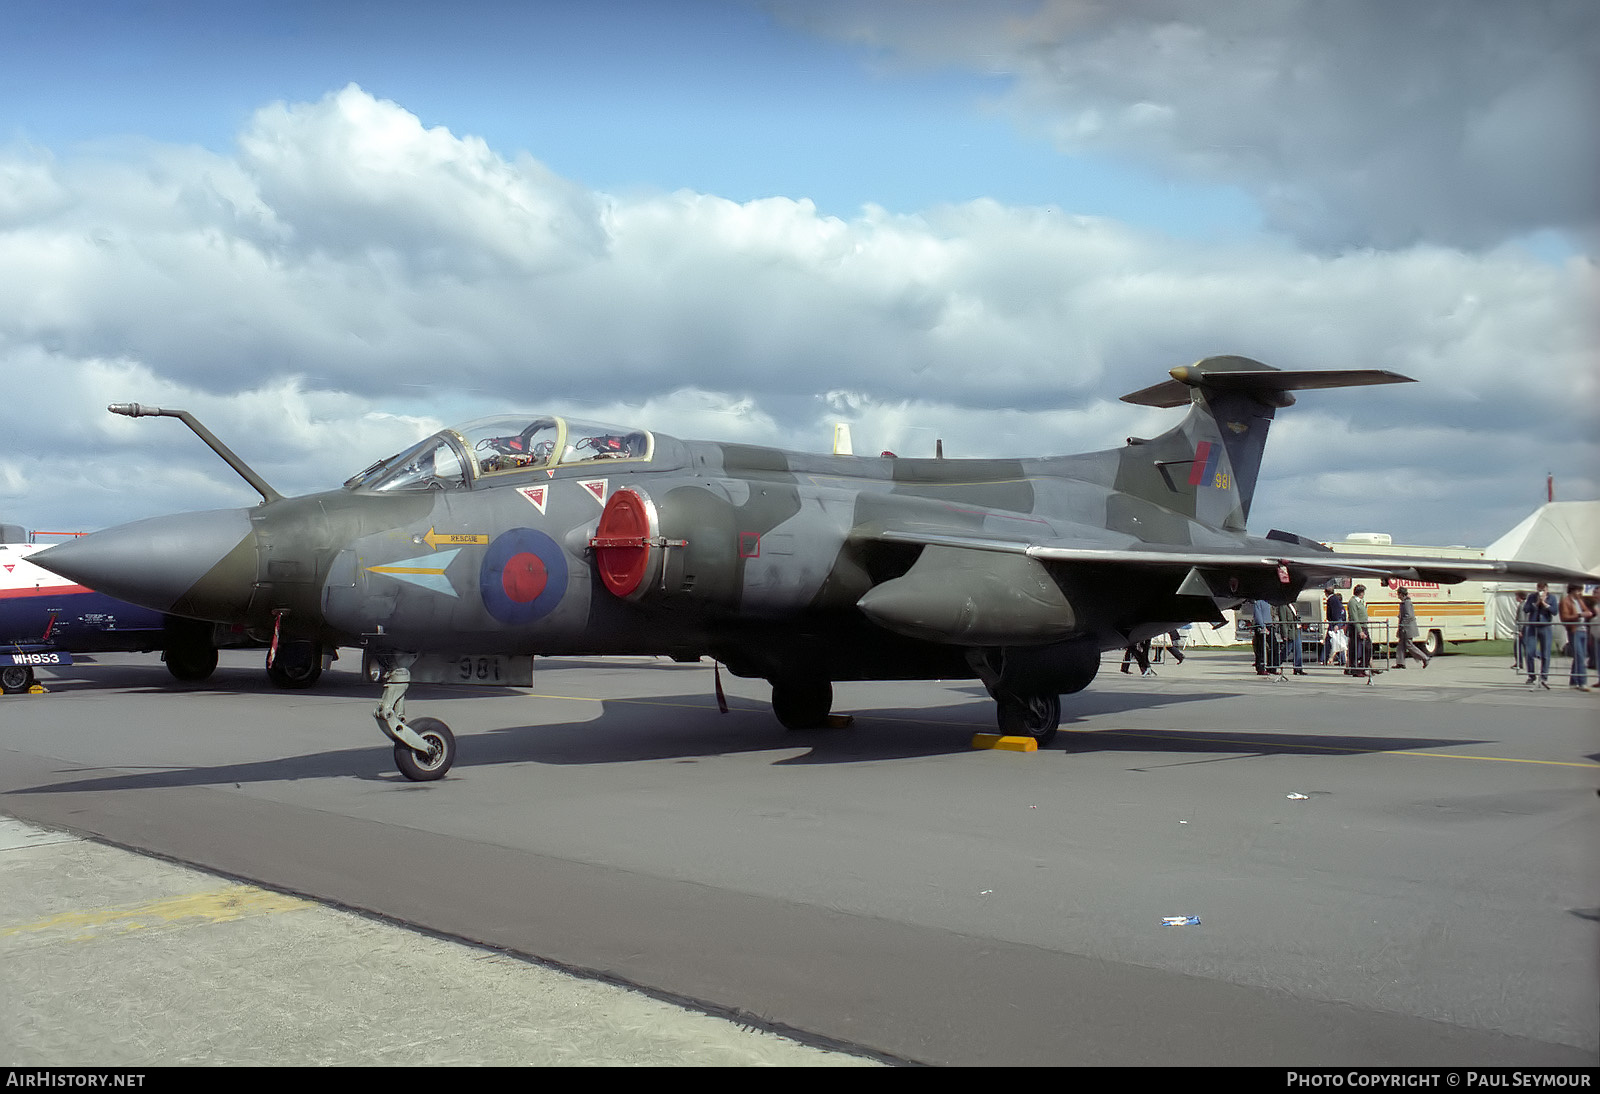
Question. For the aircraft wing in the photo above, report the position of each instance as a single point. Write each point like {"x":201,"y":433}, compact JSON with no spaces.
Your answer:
{"x":974,"y":589}
{"x":1315,"y":564}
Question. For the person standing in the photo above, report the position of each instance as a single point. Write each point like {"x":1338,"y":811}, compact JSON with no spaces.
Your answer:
{"x":1516,"y":638}
{"x":1287,"y":625}
{"x":1408,"y":630}
{"x":1261,"y":632}
{"x":1360,"y":641}
{"x":1575,"y":615}
{"x":1333,"y":612}
{"x":1539,"y":612}
{"x":1594,"y":637}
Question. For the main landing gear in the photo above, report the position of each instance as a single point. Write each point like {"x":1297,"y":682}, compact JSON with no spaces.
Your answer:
{"x":296,"y":666}
{"x":15,"y":679}
{"x":425,"y":748}
{"x":805,"y":703}
{"x":802,"y":702}
{"x":1027,"y":683}
{"x":188,"y":649}
{"x":1036,"y":716}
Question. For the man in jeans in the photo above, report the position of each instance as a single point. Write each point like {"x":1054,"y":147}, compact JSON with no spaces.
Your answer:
{"x":1538,"y":612}
{"x":1575,"y":614}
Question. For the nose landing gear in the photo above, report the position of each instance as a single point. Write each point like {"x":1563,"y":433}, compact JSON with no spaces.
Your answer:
{"x":432,"y":764}
{"x":424,"y":749}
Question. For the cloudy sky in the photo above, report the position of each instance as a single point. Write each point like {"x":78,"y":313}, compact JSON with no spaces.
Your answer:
{"x":328,"y":228}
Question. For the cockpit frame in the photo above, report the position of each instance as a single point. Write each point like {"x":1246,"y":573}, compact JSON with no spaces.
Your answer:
{"x":490,"y":450}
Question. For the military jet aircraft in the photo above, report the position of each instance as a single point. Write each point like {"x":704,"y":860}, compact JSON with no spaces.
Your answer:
{"x":462,"y":557}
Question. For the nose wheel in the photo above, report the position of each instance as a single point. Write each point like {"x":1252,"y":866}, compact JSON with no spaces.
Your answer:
{"x":424,"y":749}
{"x":426,"y":766}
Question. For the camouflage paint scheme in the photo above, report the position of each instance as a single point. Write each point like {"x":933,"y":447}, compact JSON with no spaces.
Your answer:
{"x":801,"y":569}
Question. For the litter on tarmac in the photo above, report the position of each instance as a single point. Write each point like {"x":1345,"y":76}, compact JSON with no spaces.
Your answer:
{"x":1180,"y":921}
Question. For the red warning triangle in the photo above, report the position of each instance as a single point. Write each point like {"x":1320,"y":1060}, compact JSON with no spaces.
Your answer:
{"x":596,"y":488}
{"x":536,"y":495}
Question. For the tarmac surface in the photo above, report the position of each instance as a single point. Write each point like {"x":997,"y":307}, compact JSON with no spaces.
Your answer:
{"x":1395,"y":873}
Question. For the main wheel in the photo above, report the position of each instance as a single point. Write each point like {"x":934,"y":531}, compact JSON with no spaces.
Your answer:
{"x":802,"y":704}
{"x":425,"y":767}
{"x":191,"y":661}
{"x":1036,"y":716}
{"x":297,"y":666}
{"x":15,"y":678}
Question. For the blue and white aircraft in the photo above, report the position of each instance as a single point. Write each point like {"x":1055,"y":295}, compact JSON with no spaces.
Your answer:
{"x":45,"y":619}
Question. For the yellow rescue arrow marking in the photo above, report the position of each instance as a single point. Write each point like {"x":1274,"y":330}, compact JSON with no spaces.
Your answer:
{"x":433,"y":539}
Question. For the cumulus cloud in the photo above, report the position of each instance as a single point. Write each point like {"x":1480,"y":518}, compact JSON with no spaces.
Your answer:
{"x":349,"y":281}
{"x":353,"y":176}
{"x":1363,"y":123}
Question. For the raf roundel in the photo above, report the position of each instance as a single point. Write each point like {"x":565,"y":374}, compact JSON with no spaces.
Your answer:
{"x":523,"y":576}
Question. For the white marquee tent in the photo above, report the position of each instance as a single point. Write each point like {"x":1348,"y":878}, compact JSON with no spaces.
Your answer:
{"x":1561,"y":533}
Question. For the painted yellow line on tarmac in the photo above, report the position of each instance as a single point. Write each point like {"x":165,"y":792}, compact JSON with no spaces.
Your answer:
{"x":216,"y":906}
{"x":1249,"y":746}
{"x":704,"y":704}
{"x":1495,"y":759}
{"x":1242,"y":745}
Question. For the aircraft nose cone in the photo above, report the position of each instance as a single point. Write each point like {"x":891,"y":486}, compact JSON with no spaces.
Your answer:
{"x":198,"y":564}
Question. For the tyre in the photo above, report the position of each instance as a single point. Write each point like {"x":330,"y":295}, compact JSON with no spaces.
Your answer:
{"x":422,"y":768}
{"x":1435,"y":643}
{"x":191,"y":662}
{"x":298,"y":665}
{"x":802,"y":704}
{"x":1036,"y":716}
{"x":15,"y":679}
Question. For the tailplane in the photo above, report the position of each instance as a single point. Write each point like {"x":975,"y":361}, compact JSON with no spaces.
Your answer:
{"x":1207,"y":466}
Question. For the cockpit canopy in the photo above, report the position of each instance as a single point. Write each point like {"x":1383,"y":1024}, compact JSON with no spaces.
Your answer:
{"x":468,"y":455}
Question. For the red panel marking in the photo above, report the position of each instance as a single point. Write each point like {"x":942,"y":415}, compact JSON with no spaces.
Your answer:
{"x":45,"y":590}
{"x":1197,"y":471}
{"x":749,"y":544}
{"x":524,"y":577}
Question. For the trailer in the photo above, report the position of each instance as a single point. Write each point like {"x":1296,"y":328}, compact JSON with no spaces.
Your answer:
{"x":1445,"y":613}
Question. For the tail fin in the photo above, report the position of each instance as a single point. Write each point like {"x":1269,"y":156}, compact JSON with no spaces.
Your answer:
{"x":1207,"y":466}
